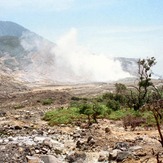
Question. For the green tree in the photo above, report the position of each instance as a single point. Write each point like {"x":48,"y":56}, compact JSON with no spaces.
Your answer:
{"x":138,"y":96}
{"x":92,"y":110}
{"x":86,"y":109}
{"x":120,"y":88}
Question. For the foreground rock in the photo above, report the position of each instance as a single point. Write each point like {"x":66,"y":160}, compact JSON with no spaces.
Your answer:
{"x":73,"y":144}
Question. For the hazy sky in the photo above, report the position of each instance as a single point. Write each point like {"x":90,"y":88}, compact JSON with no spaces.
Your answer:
{"x":127,"y":28}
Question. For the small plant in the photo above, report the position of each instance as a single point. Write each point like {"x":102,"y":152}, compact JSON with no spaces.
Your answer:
{"x":47,"y":101}
{"x":18,"y":106}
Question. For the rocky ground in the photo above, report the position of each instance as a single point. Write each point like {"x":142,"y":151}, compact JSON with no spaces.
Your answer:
{"x":26,"y":138}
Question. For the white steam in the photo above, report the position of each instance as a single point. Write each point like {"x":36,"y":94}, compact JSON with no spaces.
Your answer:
{"x":83,"y":64}
{"x":68,"y":61}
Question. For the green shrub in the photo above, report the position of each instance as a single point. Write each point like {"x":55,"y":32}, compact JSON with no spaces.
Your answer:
{"x":107,"y":96}
{"x":119,"y":114}
{"x":114,"y":105}
{"x":121,"y":99}
{"x":150,"y":121}
{"x":47,"y":101}
{"x":63,"y":116}
{"x":93,"y":111}
{"x":18,"y":106}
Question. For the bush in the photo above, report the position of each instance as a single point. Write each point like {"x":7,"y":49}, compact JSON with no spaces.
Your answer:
{"x":18,"y":106}
{"x":114,"y":105}
{"x":119,"y":98}
{"x":93,"y":111}
{"x":107,"y":96}
{"x":120,"y":114}
{"x":63,"y":116}
{"x":47,"y":101}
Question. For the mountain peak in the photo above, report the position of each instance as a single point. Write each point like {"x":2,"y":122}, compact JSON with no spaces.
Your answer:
{"x":8,"y":28}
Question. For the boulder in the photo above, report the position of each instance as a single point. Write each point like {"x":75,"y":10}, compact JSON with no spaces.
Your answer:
{"x":122,"y":146}
{"x":76,"y":157}
{"x":33,"y":159}
{"x":122,"y":155}
{"x":50,"y":159}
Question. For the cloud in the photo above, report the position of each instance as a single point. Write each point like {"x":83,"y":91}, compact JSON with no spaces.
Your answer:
{"x":48,"y":5}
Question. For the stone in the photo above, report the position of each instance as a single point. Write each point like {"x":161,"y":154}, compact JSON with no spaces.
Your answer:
{"x":5,"y":141}
{"x":122,"y":155}
{"x":122,"y":146}
{"x":37,"y":151}
{"x":32,"y":159}
{"x":58,"y":152}
{"x":113,"y":154}
{"x":17,"y":127}
{"x":21,"y":149}
{"x":107,"y":130}
{"x":47,"y":142}
{"x":92,"y":142}
{"x":10,"y":138}
{"x":2,"y":113}
{"x":79,"y":144}
{"x":50,"y":159}
{"x":1,"y":141}
{"x":134,"y":148}
{"x":77,"y":156}
{"x":39,"y":139}
{"x":44,"y":150}
{"x":89,"y":139}
{"x":76,"y":135}
{"x":140,"y":153}
{"x":102,"y":158}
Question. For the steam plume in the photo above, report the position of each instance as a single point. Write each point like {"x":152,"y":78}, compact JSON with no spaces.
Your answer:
{"x":68,"y":61}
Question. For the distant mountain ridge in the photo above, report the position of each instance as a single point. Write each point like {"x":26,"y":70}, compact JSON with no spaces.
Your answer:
{"x":22,"y":51}
{"x":8,"y":28}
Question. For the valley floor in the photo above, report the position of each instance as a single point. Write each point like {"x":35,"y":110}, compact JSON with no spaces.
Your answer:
{"x":25,"y":137}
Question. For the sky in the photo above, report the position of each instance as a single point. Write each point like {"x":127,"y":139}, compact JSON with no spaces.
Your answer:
{"x":116,"y":28}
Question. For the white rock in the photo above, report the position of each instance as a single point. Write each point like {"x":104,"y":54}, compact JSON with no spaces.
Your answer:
{"x":1,"y":141}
